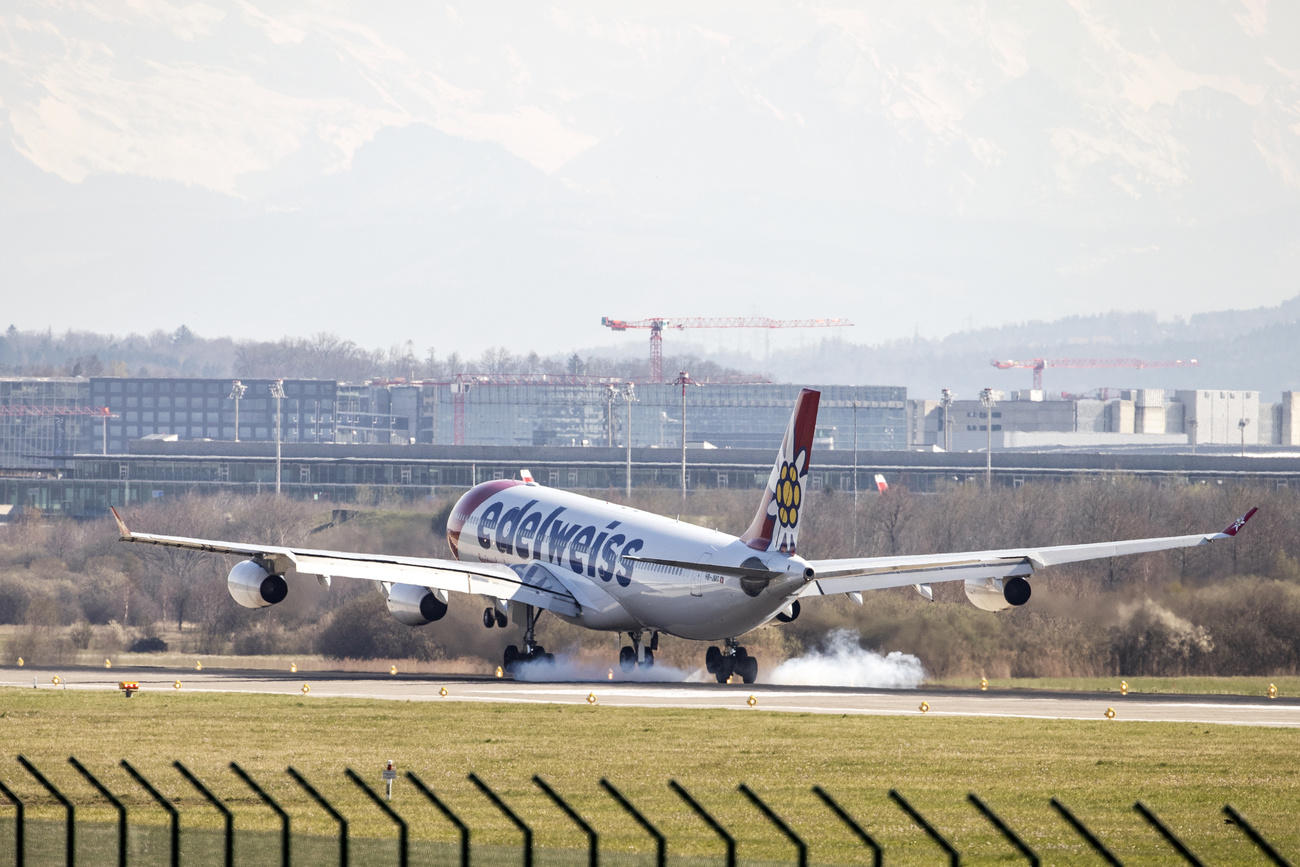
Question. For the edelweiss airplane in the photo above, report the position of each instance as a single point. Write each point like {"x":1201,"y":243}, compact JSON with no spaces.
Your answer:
{"x":530,"y":549}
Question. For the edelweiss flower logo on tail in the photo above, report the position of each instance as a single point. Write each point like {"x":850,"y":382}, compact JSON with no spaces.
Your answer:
{"x":776,"y":524}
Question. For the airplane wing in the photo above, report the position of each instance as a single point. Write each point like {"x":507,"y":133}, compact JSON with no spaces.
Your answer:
{"x":530,"y":585}
{"x":854,"y":575}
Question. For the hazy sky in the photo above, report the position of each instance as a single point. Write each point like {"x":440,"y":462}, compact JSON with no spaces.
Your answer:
{"x":463,"y":176}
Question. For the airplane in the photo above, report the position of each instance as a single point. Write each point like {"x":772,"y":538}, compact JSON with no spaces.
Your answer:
{"x":531,"y":549}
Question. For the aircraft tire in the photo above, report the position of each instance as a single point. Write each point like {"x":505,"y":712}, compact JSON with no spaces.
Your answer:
{"x":649,"y":659}
{"x":712,"y":660}
{"x":488,"y":619}
{"x":747,"y":668}
{"x":500,"y":617}
{"x":627,"y":658}
{"x":511,"y":657}
{"x":725,"y":670}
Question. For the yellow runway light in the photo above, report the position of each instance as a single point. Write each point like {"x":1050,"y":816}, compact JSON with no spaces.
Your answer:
{"x":1110,"y":713}
{"x":925,"y":707}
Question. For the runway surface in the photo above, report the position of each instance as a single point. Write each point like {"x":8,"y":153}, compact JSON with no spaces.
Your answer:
{"x":1229,"y":710}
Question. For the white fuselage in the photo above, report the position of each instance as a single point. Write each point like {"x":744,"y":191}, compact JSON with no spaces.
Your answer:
{"x":584,"y":544}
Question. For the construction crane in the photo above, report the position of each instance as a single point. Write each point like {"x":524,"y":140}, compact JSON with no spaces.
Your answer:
{"x":1037,"y":364}
{"x":657,"y":324}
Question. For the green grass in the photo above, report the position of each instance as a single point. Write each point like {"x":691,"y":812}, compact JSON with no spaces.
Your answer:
{"x":1185,"y":772}
{"x":1286,"y":685}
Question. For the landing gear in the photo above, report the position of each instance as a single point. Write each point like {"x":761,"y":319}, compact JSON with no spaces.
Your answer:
{"x":734,"y":659}
{"x":634,"y":656}
{"x":531,"y":651}
{"x":494,"y":617}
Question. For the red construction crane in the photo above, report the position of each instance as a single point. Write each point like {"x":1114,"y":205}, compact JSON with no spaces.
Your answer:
{"x":657,"y":324}
{"x":1037,"y":364}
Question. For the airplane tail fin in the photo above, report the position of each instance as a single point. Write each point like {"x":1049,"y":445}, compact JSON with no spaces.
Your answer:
{"x":776,"y":523}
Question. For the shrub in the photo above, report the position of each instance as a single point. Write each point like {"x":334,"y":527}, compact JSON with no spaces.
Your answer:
{"x":150,"y":644}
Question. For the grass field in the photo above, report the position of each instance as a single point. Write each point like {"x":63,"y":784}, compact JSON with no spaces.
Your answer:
{"x":1185,"y":773}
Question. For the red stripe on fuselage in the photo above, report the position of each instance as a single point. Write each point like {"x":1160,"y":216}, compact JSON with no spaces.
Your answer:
{"x":465,"y":506}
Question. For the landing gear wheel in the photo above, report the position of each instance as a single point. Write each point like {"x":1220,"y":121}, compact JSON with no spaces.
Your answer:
{"x":747,"y":668}
{"x":512,"y":657}
{"x":488,"y":619}
{"x":712,"y":659}
{"x":649,"y":660}
{"x":500,"y":617}
{"x":627,"y":658}
{"x":725,"y":668}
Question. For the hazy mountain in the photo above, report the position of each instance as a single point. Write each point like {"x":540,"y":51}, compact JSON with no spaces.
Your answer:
{"x":465,"y":176}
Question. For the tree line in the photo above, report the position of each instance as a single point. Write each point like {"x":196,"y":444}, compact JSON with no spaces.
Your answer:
{"x":1232,"y":607}
{"x":182,"y":353}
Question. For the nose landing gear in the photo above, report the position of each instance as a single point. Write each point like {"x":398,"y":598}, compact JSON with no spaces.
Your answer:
{"x":637,"y":655}
{"x":734,"y":659}
{"x":531,"y":651}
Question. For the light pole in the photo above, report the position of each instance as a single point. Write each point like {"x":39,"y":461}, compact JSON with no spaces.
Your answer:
{"x":684,"y":379}
{"x":611,"y":394}
{"x":945,"y":401}
{"x":237,"y":390}
{"x":986,"y":398}
{"x":277,"y":392}
{"x":855,"y":476}
{"x":629,"y":395}
{"x":1241,"y":425}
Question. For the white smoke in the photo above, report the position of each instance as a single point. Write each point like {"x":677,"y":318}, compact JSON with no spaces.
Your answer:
{"x":564,"y":669}
{"x":843,"y":662}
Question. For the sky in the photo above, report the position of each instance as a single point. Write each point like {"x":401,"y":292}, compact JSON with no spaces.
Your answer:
{"x":467,"y":176}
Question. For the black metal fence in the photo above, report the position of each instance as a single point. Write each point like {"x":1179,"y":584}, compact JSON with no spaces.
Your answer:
{"x":150,"y":842}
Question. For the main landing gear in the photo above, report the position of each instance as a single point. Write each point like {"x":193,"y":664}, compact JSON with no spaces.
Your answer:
{"x":636,"y":655}
{"x":531,"y":651}
{"x":722,"y":663}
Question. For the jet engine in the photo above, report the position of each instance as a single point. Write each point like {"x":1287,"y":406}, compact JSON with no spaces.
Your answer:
{"x":997,"y":594}
{"x":416,"y":606}
{"x":252,"y":586}
{"x":789,"y":613}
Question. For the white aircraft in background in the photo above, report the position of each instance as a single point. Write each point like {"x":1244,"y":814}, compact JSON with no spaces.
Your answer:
{"x":529,"y":549}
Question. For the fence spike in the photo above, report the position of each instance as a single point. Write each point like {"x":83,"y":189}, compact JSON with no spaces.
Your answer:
{"x":329,"y":808}
{"x":1255,"y":837}
{"x":227,"y":816}
{"x":270,"y":802}
{"x":1154,"y":821}
{"x":1083,"y":831}
{"x":898,"y":799}
{"x":776,"y":820}
{"x":447,"y":812}
{"x":593,"y":849}
{"x":165,"y":804}
{"x":71,"y":838}
{"x":392,"y":814}
{"x":1003,"y":828}
{"x":19,"y":822}
{"x":708,"y":819}
{"x":112,"y":799}
{"x":509,"y":814}
{"x":877,"y":854}
{"x":661,"y":845}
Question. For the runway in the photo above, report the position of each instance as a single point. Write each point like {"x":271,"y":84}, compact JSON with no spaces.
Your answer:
{"x":1221,"y":710}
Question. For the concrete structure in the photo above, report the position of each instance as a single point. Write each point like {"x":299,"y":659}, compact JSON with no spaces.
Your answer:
{"x":1220,"y":416}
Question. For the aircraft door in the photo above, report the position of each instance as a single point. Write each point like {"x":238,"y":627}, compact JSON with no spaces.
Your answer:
{"x":700,"y":578}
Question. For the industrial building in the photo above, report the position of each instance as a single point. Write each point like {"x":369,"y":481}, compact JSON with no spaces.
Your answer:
{"x":1131,"y":417}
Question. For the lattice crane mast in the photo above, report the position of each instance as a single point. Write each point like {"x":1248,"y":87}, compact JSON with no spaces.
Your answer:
{"x":657,"y":324}
{"x":1037,"y":364}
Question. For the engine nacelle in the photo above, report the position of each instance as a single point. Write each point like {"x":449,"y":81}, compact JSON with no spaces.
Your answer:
{"x":789,"y":613}
{"x":252,"y":586}
{"x":997,"y":594}
{"x":414,"y":605}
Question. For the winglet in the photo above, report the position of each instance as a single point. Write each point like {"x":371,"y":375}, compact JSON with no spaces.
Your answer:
{"x":1231,"y":529}
{"x":121,"y":525}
